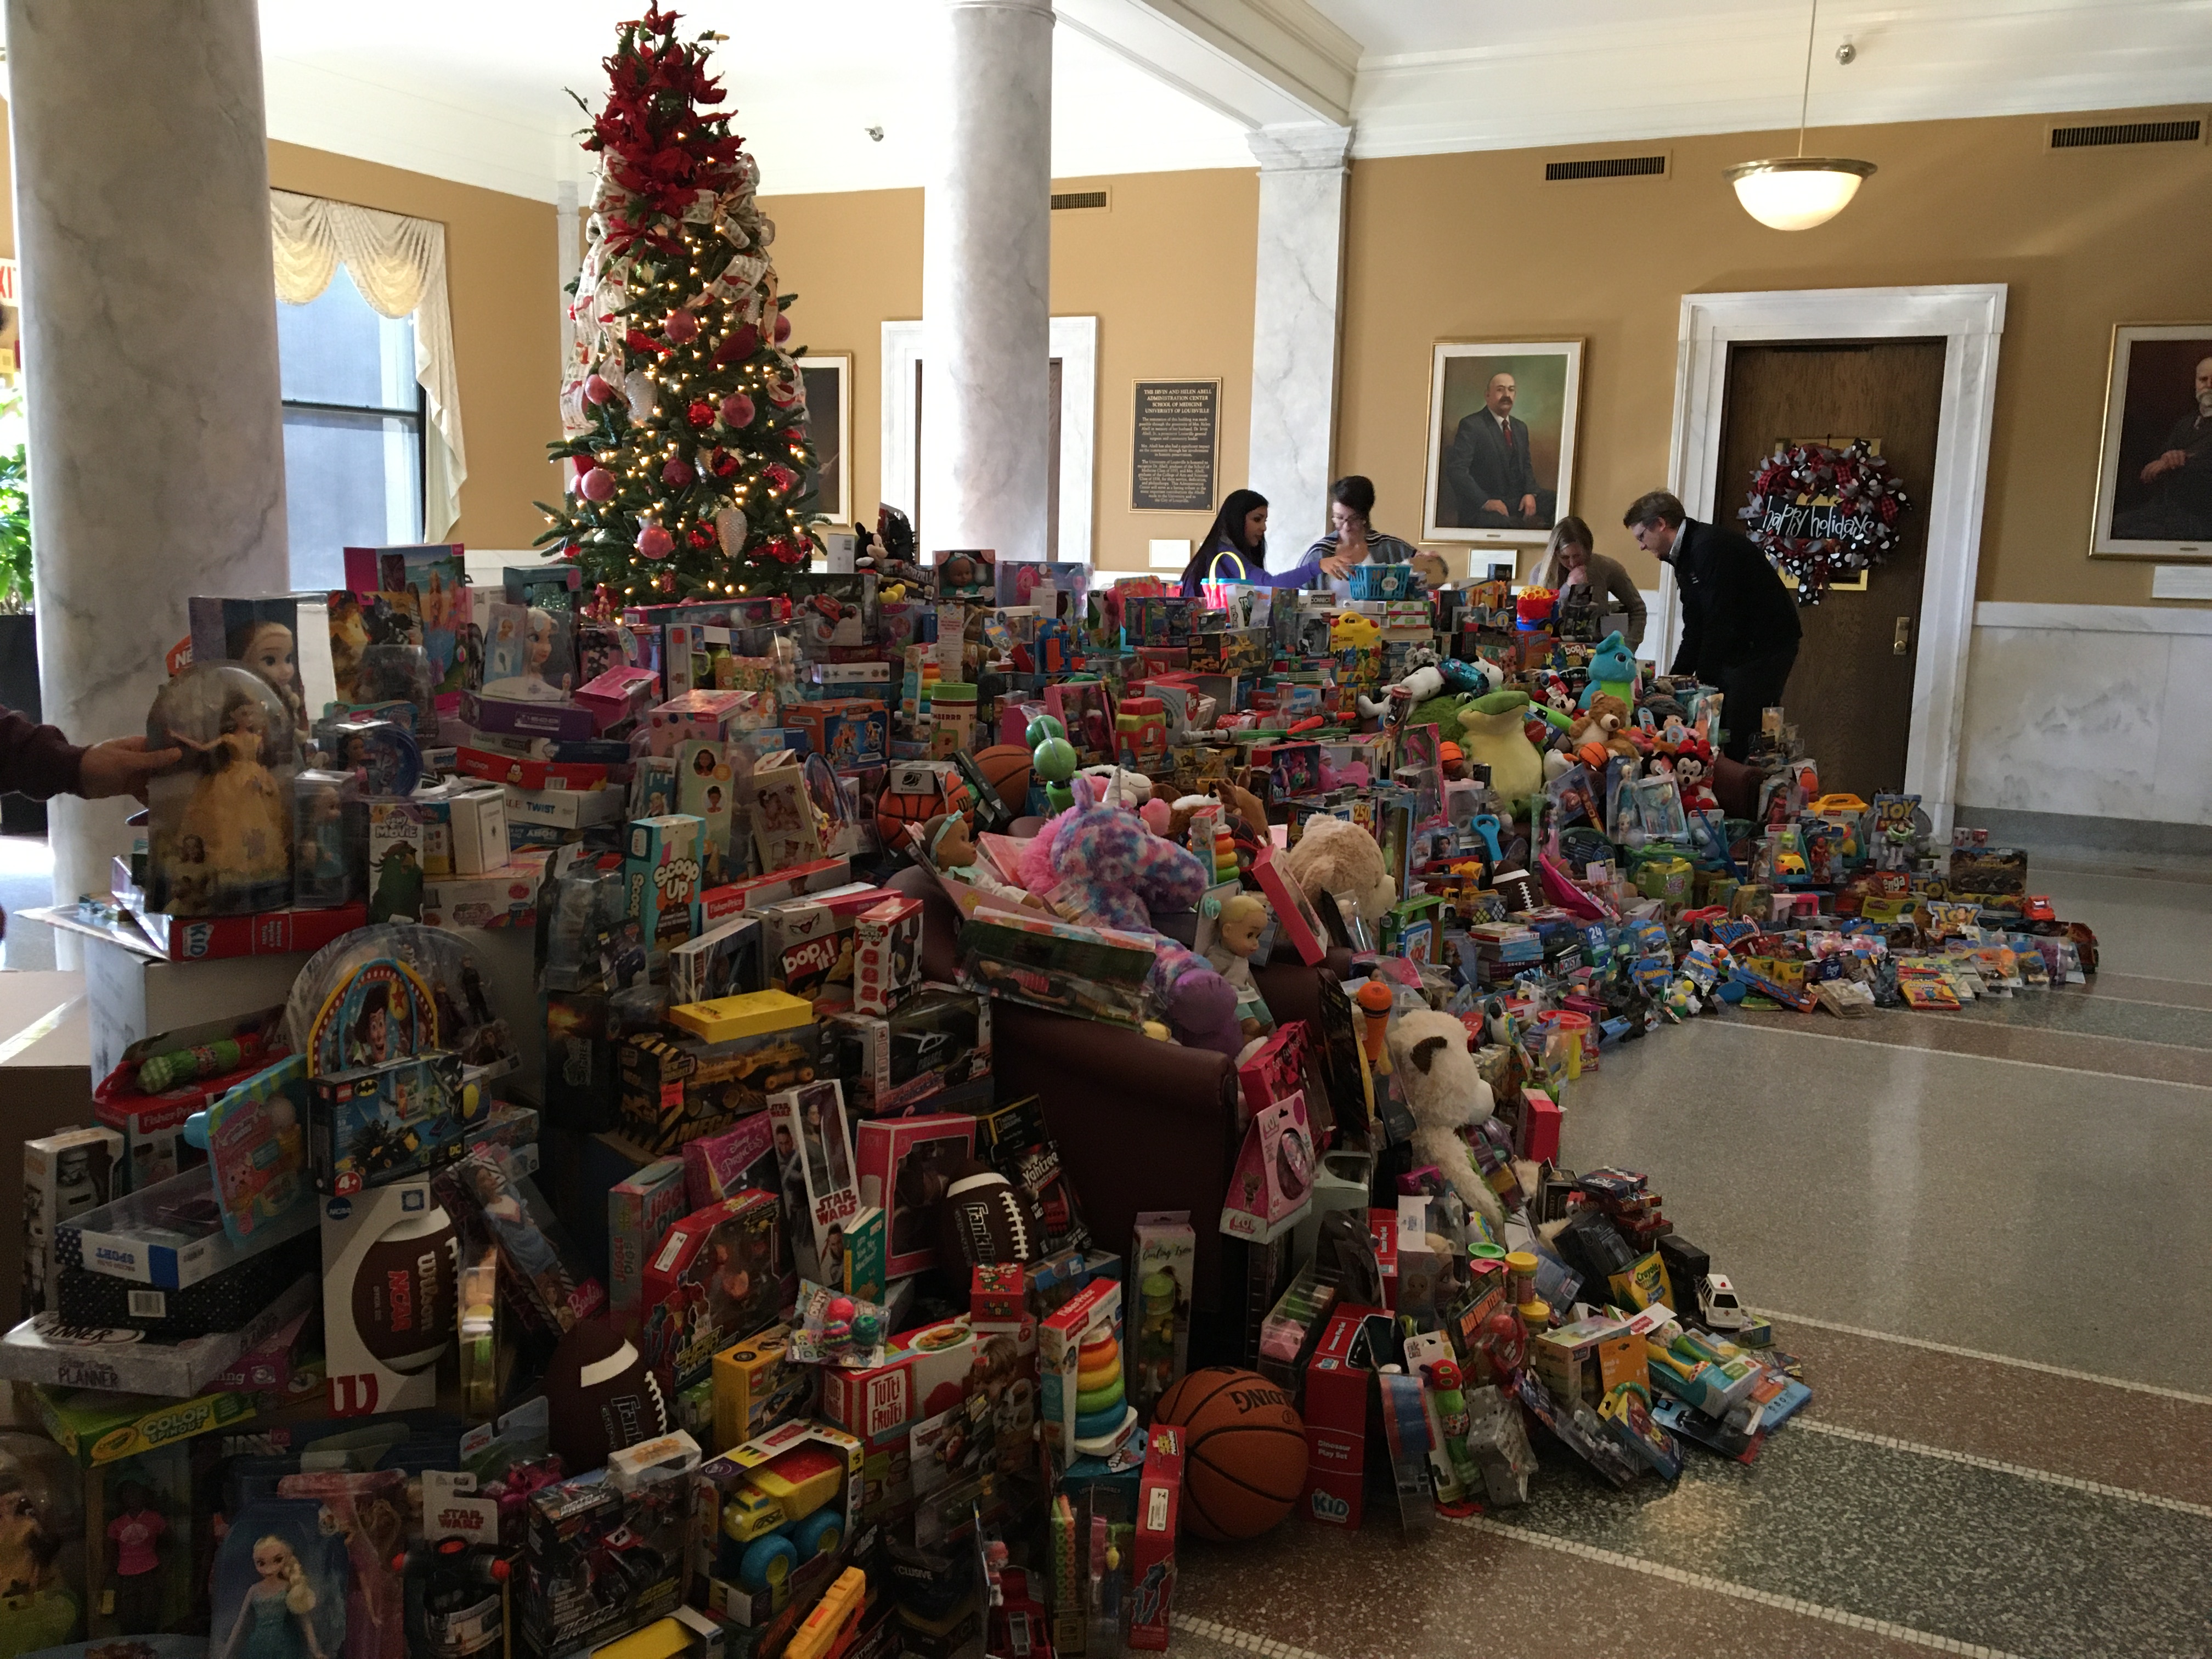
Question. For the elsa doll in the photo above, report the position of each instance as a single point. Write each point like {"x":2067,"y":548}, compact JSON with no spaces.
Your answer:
{"x":277,"y":1619}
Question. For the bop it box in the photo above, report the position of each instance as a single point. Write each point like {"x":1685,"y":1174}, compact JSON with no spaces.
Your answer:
{"x":660,"y":878}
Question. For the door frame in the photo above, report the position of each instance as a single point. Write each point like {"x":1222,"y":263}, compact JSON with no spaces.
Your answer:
{"x":1969,"y":318}
{"x":1074,"y":341}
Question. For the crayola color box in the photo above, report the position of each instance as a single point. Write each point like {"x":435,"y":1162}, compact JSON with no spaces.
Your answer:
{"x":660,"y":878}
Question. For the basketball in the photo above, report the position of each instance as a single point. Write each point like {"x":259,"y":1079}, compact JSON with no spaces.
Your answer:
{"x":1245,"y":1452}
{"x":914,"y":793}
{"x":1005,"y":768}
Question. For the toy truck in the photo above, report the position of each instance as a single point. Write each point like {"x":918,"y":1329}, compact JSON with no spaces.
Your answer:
{"x":1717,"y":1307}
{"x":786,"y":1514}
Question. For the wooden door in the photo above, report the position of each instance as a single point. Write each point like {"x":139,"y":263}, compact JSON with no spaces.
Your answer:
{"x":1850,"y":694}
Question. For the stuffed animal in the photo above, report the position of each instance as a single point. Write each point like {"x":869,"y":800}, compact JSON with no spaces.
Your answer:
{"x":1446,"y":1095}
{"x":1693,"y":762}
{"x":1612,"y":672}
{"x":1604,"y":730}
{"x":1493,"y":737}
{"x":1334,"y":856}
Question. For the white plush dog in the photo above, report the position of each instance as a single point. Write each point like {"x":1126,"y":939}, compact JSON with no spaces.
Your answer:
{"x":1430,"y":1058}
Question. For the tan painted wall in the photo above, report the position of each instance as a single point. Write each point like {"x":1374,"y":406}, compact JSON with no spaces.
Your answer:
{"x":503,"y":279}
{"x":1168,"y":270}
{"x":1476,"y":246}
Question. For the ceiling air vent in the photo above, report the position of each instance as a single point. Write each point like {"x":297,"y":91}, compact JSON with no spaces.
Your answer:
{"x":1079,"y":201}
{"x":2190,"y":131}
{"x":1607,"y":167}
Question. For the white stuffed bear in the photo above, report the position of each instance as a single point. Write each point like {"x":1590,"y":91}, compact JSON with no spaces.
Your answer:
{"x":1430,"y":1058}
{"x":1334,"y":856}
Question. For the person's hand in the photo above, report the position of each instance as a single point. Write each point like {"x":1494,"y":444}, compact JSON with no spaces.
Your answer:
{"x":120,"y":767}
{"x":1494,"y":506}
{"x":1336,"y":566}
{"x":2172,"y":460}
{"x":1527,"y":506}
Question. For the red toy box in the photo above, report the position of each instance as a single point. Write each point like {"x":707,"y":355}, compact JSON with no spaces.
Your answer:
{"x":716,"y":1277}
{"x":1340,"y":1382}
{"x":905,"y":1163}
{"x":1152,"y":1566}
{"x":886,"y":955}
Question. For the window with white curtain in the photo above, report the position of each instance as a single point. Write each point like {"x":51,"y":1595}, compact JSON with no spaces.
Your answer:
{"x":352,"y":430}
{"x":373,"y":447}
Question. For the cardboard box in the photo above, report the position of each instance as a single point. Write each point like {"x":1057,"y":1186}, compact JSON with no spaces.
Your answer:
{"x":1339,"y":1384}
{"x":362,"y":1384}
{"x":1152,"y":1565}
{"x":716,"y":1279}
{"x":776,"y":1485}
{"x":495,"y":766}
{"x":812,"y":1115}
{"x":124,"y":1362}
{"x":749,"y":1014}
{"x":886,"y":955}
{"x":66,"y":1177}
{"x":660,"y":878}
{"x":904,"y":1165}
{"x":564,"y":720}
{"x":639,"y":1212}
{"x":270,"y":934}
{"x":505,"y":897}
{"x":606,"y":1551}
{"x":936,"y":1040}
{"x":726,"y":961}
{"x":169,"y":1236}
{"x":756,"y":1385}
{"x":672,"y":1089}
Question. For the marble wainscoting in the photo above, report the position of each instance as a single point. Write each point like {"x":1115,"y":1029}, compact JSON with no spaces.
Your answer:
{"x":2085,"y":727}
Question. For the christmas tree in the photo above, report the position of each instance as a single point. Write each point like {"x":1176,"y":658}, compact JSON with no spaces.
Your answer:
{"x":686,"y":451}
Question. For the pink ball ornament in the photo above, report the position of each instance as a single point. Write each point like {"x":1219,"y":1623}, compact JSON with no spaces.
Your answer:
{"x":737,"y":410}
{"x":655,"y":542}
{"x":598,"y":389}
{"x":782,"y":328}
{"x":681,"y":326}
{"x":598,"y":485}
{"x":675,"y":472}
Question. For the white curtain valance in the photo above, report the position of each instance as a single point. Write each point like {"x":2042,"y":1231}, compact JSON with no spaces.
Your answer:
{"x":398,"y":265}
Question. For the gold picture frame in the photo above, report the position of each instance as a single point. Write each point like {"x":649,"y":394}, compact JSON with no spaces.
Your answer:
{"x":1548,"y":378}
{"x":2154,"y":388}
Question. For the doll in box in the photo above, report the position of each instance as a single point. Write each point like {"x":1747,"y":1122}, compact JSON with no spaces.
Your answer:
{"x":266,"y":647}
{"x":526,"y":1246}
{"x":275,"y":1617}
{"x":221,"y":818}
{"x":41,"y":1545}
{"x":949,"y":848}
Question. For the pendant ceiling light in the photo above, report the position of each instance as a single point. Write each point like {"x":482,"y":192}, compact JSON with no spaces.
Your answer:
{"x":1798,"y":191}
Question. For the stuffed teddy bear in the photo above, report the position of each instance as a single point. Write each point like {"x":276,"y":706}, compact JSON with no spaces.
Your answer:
{"x":1105,"y":866}
{"x":1332,"y":856}
{"x":1446,"y":1095}
{"x":1493,"y":737}
{"x":1604,"y":728}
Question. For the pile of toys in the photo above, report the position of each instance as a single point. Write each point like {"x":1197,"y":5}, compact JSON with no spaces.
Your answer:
{"x":616,"y":1240}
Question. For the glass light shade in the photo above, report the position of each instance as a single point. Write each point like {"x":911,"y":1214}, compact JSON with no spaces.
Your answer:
{"x":1799,"y":191}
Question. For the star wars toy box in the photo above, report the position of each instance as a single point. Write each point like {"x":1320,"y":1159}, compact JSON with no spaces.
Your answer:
{"x":390,"y":1302}
{"x":937,"y":1039}
{"x":379,"y":1124}
{"x":65,"y":1176}
{"x":640,"y":1212}
{"x":821,"y":1193}
{"x":660,"y":878}
{"x":905,"y":1165}
{"x":1152,"y":1561}
{"x":772,"y":1522}
{"x":606,"y":1552}
{"x":886,"y":955}
{"x":717,"y":1277}
{"x":1339,"y":1398}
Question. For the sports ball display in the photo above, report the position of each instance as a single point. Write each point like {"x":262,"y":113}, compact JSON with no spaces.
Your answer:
{"x":600,"y":1396}
{"x":1006,"y":767}
{"x":1244,"y":1452}
{"x":404,"y":1292}
{"x":915,"y":792}
{"x":984,"y":1219}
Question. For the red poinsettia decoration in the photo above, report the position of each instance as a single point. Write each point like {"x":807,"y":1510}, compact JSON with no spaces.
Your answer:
{"x":659,"y":147}
{"x":780,"y":479}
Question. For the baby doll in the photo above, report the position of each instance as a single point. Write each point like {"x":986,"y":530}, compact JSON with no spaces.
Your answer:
{"x":949,"y":846}
{"x":1237,"y":932}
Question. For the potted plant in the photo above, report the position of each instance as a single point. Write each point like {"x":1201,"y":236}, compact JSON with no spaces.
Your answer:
{"x":19,"y":645}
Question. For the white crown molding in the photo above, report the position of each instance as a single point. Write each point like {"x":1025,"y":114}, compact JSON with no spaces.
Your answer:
{"x":1261,"y":61}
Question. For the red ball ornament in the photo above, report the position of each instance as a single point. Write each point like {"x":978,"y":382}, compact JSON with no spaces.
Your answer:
{"x":681,"y":326}
{"x":666,"y":581}
{"x":598,"y":485}
{"x":782,"y":328}
{"x":654,"y":543}
{"x":675,"y":472}
{"x":737,"y":410}
{"x":724,"y":464}
{"x":701,"y":414}
{"x":598,"y":389}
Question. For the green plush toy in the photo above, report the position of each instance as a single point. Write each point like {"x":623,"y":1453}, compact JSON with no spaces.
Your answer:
{"x":1490,"y":735}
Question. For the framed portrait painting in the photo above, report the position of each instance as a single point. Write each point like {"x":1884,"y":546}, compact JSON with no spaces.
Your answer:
{"x":1502,"y":418}
{"x":2154,"y":472}
{"x":828,"y":377}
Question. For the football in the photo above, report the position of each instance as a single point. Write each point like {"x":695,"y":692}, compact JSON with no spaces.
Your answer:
{"x":985,"y":1218}
{"x":600,"y":1396}
{"x":404,"y":1292}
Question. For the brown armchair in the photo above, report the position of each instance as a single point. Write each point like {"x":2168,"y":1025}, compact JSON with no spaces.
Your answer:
{"x":1141,"y":1125}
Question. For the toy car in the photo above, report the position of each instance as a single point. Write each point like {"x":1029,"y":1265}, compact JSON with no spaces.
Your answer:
{"x":1837,"y":806}
{"x":787,"y":1515}
{"x":1717,"y":1307}
{"x":2037,"y":908}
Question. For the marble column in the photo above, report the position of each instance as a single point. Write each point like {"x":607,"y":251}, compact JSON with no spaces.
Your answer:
{"x":149,"y":341}
{"x":986,"y":285}
{"x":1295,"y":303}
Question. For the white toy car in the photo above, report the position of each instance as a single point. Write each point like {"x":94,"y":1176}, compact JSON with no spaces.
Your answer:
{"x":1717,"y":1307}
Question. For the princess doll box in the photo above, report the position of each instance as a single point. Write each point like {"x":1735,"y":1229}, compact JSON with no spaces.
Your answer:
{"x":267,"y":933}
{"x":533,"y":720}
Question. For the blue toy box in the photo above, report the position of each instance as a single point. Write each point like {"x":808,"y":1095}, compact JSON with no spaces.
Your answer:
{"x":660,"y":878}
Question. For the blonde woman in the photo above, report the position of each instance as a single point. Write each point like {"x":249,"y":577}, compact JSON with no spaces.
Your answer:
{"x":277,"y":1619}
{"x":1573,"y":560}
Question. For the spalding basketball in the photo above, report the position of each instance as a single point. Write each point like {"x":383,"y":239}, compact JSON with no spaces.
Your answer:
{"x":915,"y":792}
{"x":983,"y":1218}
{"x":1007,"y":767}
{"x":1245,"y":1452}
{"x":600,"y":1396}
{"x":404,"y":1292}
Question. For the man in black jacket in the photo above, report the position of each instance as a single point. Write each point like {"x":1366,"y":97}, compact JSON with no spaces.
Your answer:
{"x":1740,"y":629}
{"x":1488,"y":469}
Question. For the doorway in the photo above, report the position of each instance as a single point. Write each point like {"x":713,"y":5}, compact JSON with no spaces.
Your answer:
{"x":1850,"y":696}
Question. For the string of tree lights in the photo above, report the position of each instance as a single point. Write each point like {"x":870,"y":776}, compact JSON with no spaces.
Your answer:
{"x":686,"y":450}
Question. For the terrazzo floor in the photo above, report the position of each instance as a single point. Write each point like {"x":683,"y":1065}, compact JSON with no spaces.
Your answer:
{"x":1987,"y":1235}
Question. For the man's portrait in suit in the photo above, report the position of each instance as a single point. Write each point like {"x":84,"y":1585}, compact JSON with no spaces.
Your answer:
{"x":2154,"y":498}
{"x":1501,"y":444}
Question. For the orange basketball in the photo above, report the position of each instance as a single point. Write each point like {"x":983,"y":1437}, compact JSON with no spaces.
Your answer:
{"x":1245,"y":1452}
{"x":1006,"y":767}
{"x":915,"y":792}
